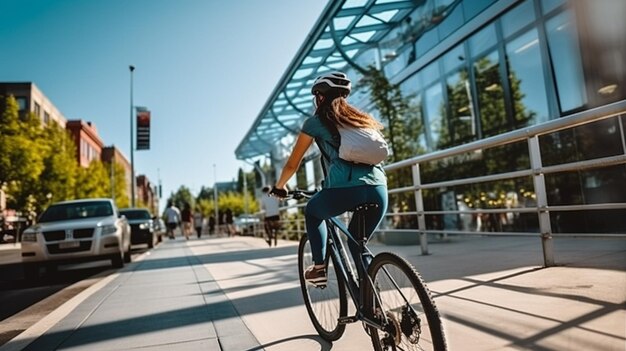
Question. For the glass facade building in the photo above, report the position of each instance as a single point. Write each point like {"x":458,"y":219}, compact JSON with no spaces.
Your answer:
{"x":470,"y":70}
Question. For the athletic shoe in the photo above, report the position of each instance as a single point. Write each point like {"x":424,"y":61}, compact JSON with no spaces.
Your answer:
{"x":316,"y":276}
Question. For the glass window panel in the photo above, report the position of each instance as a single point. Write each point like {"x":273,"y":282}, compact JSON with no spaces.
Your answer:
{"x":473,"y":7}
{"x":411,"y":86}
{"x":490,"y":95}
{"x":483,"y":40}
{"x":453,"y":59}
{"x":526,"y":79}
{"x":435,"y":113}
{"x":427,"y":41}
{"x":589,"y":141}
{"x":414,"y":124}
{"x":604,"y":39}
{"x":462,"y":118}
{"x":518,"y":17}
{"x":549,"y":5}
{"x":21,"y":103}
{"x":565,"y":53}
{"x":452,"y":21}
{"x":430,"y":73}
{"x":605,"y":221}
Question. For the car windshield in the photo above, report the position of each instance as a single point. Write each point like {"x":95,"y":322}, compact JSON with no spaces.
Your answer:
{"x":136,"y":214}
{"x":76,"y":210}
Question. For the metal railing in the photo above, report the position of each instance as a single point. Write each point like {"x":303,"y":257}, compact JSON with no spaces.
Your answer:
{"x":536,"y":171}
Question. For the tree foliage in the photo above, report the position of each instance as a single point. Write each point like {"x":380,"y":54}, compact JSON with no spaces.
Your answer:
{"x":38,"y":164}
{"x":21,"y":155}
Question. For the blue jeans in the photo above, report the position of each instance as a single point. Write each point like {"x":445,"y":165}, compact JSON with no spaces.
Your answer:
{"x":332,"y":202}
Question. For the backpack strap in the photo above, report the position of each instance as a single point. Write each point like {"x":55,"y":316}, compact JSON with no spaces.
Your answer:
{"x":325,"y":155}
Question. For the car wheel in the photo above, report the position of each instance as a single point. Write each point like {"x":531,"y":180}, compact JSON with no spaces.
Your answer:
{"x":127,"y":254}
{"x":117,"y":260}
{"x":31,"y":271}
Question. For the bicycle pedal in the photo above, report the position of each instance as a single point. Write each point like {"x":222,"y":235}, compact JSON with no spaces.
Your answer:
{"x":347,"y":319}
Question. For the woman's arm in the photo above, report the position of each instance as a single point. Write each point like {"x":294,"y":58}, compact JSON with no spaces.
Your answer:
{"x":303,"y":143}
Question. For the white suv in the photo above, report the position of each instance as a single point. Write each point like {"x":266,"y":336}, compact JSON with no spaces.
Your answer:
{"x":77,"y":230}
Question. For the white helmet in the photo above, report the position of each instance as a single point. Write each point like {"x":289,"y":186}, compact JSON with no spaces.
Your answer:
{"x":332,"y":81}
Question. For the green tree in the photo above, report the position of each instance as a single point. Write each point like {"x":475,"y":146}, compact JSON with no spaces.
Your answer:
{"x":120,"y":187}
{"x":181,"y":196}
{"x":58,"y":179}
{"x":236,"y":203}
{"x":93,"y":181}
{"x":21,"y":155}
{"x":250,"y":181}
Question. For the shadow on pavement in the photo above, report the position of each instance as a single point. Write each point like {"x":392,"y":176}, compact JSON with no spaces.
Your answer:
{"x":459,"y":262}
{"x":324,"y":345}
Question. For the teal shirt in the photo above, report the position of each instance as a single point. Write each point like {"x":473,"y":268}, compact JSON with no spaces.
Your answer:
{"x":341,"y":174}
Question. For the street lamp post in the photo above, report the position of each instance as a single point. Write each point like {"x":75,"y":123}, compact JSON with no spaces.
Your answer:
{"x":132,"y":158}
{"x":215,"y":194}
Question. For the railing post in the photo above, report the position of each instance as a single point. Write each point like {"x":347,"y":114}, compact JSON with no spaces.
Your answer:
{"x":542,"y":201}
{"x":419,"y":206}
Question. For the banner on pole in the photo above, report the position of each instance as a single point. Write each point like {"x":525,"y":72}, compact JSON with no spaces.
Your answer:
{"x":143,"y":128}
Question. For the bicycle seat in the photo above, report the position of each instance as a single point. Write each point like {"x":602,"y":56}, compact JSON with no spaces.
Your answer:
{"x":364,"y":207}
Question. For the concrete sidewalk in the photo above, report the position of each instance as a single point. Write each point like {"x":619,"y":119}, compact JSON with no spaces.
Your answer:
{"x":238,"y":294}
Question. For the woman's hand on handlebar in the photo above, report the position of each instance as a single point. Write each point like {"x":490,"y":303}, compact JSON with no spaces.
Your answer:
{"x":278,"y":192}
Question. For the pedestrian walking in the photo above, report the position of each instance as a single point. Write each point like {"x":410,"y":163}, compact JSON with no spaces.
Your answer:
{"x":212,"y":225}
{"x":271,"y":221}
{"x":228,"y":218}
{"x":172,"y":218}
{"x":197,"y":222}
{"x":187,"y":219}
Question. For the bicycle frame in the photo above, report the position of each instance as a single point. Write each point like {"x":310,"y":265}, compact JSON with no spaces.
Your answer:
{"x":339,"y":254}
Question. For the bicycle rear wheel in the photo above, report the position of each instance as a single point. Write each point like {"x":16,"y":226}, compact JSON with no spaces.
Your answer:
{"x":324,"y":305}
{"x":413,"y":322}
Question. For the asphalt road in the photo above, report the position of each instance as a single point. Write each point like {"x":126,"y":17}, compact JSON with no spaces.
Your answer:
{"x":23,"y":303}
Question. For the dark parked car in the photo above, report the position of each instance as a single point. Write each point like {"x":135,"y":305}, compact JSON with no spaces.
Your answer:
{"x":141,"y":226}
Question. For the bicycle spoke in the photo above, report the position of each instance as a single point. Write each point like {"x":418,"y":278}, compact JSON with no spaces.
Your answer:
{"x":411,"y":317}
{"x":325,"y":305}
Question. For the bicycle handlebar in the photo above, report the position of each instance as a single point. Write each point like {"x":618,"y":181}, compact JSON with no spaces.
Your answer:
{"x":301,"y":194}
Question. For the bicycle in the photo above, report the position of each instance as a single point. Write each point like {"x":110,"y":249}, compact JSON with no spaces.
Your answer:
{"x":394,"y":304}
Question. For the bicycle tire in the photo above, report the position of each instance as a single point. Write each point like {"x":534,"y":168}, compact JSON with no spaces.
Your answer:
{"x":324,"y":306}
{"x":409,"y":333}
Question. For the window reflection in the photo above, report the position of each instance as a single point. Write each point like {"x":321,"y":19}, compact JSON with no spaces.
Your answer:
{"x":473,"y":7}
{"x":462,"y":118}
{"x":490,"y":95}
{"x":565,"y":54}
{"x":411,"y":90}
{"x":549,"y":5}
{"x":518,"y":18}
{"x":483,"y":40}
{"x":526,"y":79}
{"x":435,"y":109}
{"x":589,"y":141}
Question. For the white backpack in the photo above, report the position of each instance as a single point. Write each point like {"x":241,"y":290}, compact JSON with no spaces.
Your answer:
{"x":362,"y":145}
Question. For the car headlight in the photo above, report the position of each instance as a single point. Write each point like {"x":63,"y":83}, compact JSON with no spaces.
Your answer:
{"x":108,"y":229}
{"x":29,"y":237}
{"x":144,"y":226}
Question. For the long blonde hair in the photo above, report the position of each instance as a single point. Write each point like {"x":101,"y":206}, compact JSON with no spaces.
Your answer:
{"x":341,"y":113}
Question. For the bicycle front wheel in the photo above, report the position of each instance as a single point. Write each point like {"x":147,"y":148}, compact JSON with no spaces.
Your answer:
{"x":324,"y":305}
{"x":404,"y":306}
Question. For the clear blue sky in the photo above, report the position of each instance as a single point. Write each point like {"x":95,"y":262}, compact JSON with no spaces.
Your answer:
{"x":203,"y":67}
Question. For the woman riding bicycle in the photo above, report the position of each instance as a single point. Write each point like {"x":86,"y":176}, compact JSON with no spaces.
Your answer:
{"x":347,"y":184}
